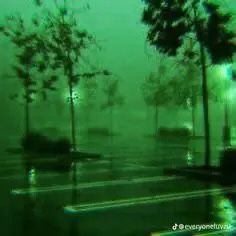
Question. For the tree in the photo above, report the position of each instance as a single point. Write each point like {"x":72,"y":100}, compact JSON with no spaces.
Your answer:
{"x":113,"y":98}
{"x":173,"y":22}
{"x":67,"y":42}
{"x":89,"y":88}
{"x":185,"y":89}
{"x":31,"y":60}
{"x":156,"y":92}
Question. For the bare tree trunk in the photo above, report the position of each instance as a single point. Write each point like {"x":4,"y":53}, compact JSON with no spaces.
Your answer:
{"x":27,"y":118}
{"x":111,"y":128}
{"x":193,"y":121}
{"x":111,"y":137}
{"x":72,"y":113}
{"x":87,"y":126}
{"x":226,"y":128}
{"x":205,"y":106}
{"x":199,"y":32}
{"x":193,"y":106}
{"x":87,"y":117}
{"x":156,"y":121}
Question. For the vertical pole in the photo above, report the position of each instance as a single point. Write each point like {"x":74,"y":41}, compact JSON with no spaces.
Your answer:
{"x":199,"y":32}
{"x":156,"y":120}
{"x":205,"y":106}
{"x":193,"y":121}
{"x":72,"y":112}
{"x":193,"y":106}
{"x":27,"y":119}
{"x":226,"y":129}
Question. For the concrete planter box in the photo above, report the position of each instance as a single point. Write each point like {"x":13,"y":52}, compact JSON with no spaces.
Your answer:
{"x":213,"y":174}
{"x":61,"y":162}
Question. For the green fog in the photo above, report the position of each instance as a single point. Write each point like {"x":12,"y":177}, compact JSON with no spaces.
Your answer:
{"x":123,"y":50}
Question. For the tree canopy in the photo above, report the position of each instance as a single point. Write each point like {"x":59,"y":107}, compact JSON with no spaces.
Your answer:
{"x":171,"y":22}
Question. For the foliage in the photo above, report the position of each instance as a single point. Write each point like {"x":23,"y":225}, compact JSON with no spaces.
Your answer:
{"x":112,"y":95}
{"x":26,"y":43}
{"x":66,"y":44}
{"x":156,"y":88}
{"x":89,"y":88}
{"x":155,"y":91}
{"x":170,"y":22}
{"x":186,"y":87}
{"x":31,"y":56}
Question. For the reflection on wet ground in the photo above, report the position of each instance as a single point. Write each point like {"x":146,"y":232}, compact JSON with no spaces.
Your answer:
{"x":124,"y":193}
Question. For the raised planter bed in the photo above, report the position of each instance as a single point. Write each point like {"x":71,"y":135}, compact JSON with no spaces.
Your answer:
{"x":228,"y":160}
{"x":224,"y":174}
{"x":174,"y":132}
{"x":201,"y":173}
{"x":49,"y":161}
{"x":41,"y":152}
{"x":213,"y":174}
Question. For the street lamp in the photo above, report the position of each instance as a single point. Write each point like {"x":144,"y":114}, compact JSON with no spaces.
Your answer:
{"x":76,"y":96}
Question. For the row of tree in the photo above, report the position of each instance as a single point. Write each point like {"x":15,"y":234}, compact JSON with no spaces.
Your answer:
{"x":177,"y":84}
{"x":202,"y":25}
{"x":111,"y":95}
{"x":51,"y":48}
{"x":48,"y":49}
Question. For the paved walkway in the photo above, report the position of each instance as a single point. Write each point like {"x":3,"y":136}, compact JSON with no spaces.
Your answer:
{"x":123,"y":195}
{"x":107,"y":198}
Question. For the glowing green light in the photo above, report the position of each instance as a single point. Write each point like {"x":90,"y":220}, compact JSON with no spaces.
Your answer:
{"x":226,"y":211}
{"x":189,"y":102}
{"x":189,"y":158}
{"x":225,"y":71}
{"x":77,"y":96}
{"x":188,"y":126}
{"x":231,"y":94}
{"x":32,"y":177}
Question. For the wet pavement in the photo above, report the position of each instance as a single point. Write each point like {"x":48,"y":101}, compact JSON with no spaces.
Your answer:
{"x":125,"y":194}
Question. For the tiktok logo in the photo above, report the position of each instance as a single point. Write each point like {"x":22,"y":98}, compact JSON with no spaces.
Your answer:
{"x":174,"y":227}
